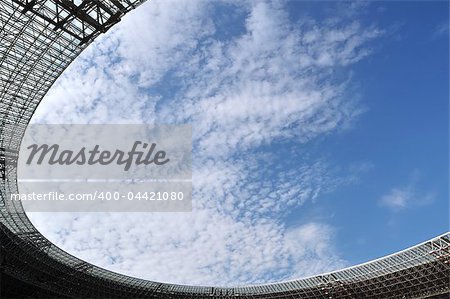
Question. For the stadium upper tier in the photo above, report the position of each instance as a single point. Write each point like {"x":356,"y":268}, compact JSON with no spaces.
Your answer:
{"x":38,"y":40}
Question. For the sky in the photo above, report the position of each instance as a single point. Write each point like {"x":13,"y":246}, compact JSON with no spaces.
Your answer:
{"x":320,"y":135}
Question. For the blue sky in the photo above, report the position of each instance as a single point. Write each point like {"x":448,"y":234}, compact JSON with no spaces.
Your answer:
{"x":404,"y":135}
{"x":320,"y":135}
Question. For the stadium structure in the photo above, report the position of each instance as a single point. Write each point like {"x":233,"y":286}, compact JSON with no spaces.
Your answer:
{"x":38,"y":40}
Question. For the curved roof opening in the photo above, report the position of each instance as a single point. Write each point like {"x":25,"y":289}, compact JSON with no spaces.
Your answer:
{"x":277,"y":96}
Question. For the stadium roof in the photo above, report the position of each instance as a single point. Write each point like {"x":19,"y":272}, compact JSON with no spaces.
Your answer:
{"x":38,"y":40}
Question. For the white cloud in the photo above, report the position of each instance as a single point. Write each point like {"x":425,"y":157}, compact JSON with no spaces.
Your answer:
{"x":441,"y":30}
{"x":408,"y":196}
{"x":397,"y":198}
{"x":204,"y":247}
{"x":271,"y":84}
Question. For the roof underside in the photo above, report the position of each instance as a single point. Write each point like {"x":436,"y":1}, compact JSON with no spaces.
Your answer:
{"x":38,"y":40}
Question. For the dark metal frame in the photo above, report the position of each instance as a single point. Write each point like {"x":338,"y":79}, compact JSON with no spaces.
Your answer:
{"x":38,"y":40}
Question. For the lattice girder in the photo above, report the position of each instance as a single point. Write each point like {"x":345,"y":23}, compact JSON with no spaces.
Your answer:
{"x":38,"y":40}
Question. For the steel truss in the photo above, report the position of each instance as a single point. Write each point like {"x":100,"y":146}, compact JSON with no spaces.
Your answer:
{"x":38,"y":40}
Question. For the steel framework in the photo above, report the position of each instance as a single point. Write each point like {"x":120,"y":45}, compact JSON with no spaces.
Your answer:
{"x":38,"y":40}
